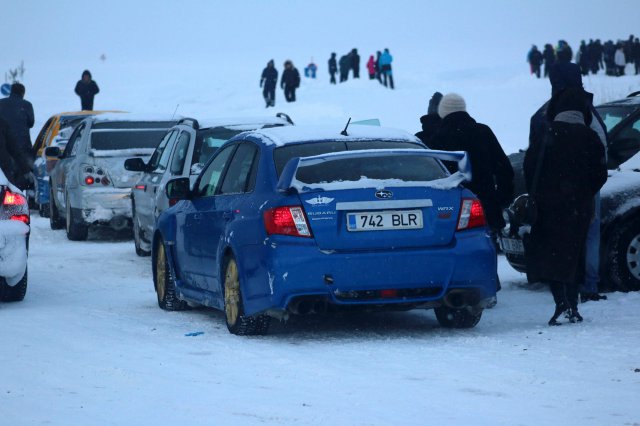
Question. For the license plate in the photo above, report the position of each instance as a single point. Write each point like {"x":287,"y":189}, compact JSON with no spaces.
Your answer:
{"x":511,"y":245}
{"x":384,"y":221}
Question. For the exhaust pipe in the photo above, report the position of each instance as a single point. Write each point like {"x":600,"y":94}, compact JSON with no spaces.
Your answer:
{"x":301,"y":307}
{"x":456,"y":299}
{"x":118,"y":223}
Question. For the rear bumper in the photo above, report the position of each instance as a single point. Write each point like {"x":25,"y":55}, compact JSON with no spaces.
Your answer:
{"x":13,"y":250}
{"x":287,"y":268}
{"x":101,"y":205}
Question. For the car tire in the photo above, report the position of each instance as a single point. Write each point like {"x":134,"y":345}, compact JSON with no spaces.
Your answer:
{"x":136,"y":237}
{"x":622,"y":257}
{"x":14,"y":293}
{"x":458,"y":318}
{"x":55,"y":221}
{"x":164,"y":283}
{"x":77,"y":230}
{"x":237,"y":322}
{"x":43,"y":209}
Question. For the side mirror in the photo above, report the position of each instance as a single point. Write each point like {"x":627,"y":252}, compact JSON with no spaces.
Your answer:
{"x":178,"y":189}
{"x":53,"y":151}
{"x":135,"y":165}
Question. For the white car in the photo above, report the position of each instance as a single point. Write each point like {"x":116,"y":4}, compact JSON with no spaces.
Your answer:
{"x":14,"y":241}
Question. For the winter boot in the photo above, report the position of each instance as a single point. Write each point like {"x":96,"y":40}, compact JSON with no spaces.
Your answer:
{"x":574,"y":316}
{"x":560,"y":308}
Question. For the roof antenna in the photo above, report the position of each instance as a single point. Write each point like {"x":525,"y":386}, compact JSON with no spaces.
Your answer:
{"x":174,"y":111}
{"x":344,"y":132}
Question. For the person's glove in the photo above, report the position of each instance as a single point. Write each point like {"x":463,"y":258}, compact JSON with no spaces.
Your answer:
{"x":434,"y":102}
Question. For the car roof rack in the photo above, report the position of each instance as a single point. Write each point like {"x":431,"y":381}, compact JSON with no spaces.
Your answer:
{"x":633,"y":94}
{"x":285,"y":117}
{"x":190,"y":122}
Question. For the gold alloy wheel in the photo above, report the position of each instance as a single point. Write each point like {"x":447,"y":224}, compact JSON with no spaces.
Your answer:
{"x":161,"y":273}
{"x":231,"y":292}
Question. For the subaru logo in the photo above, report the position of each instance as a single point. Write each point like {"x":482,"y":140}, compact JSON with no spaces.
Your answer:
{"x":383,"y":194}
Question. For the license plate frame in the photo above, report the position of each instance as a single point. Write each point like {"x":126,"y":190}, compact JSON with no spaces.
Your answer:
{"x":512,"y":245}
{"x":395,"y":220}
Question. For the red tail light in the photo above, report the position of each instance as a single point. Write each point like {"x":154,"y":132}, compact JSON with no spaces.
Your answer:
{"x":289,"y":220}
{"x":13,"y":199}
{"x":471,"y":214}
{"x":24,"y":218}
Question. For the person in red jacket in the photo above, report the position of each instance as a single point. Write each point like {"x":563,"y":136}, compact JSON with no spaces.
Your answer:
{"x":371,"y":67}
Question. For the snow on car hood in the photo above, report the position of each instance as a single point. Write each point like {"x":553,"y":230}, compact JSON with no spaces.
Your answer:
{"x":632,"y":163}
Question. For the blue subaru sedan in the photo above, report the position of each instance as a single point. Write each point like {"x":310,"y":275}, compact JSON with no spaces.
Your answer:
{"x":297,"y":220}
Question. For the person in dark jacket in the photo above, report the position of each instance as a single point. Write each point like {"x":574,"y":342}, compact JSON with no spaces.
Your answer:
{"x":635,"y":53}
{"x":572,"y":170}
{"x":333,"y":68}
{"x":549,"y":57}
{"x":345,"y":66}
{"x":583,"y":58}
{"x":290,"y":81}
{"x":355,"y":63}
{"x":268,"y":82}
{"x":18,"y":115}
{"x":431,"y":121}
{"x":15,"y":163}
{"x":534,"y":57}
{"x":378,"y":69}
{"x":87,"y":89}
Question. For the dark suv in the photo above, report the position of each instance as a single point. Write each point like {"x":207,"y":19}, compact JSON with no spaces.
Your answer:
{"x":620,"y":201}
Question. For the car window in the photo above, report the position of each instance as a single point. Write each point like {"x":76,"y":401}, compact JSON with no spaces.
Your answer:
{"x":180,"y":153}
{"x":72,"y":146}
{"x":211,"y":175}
{"x":208,"y":141}
{"x":37,"y":146}
{"x":613,"y":115}
{"x":166,"y":153}
{"x":155,"y":157}
{"x":236,"y":178}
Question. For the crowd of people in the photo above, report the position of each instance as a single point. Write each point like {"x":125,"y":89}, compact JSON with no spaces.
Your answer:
{"x":378,"y":68}
{"x":567,"y":145}
{"x":591,"y":57}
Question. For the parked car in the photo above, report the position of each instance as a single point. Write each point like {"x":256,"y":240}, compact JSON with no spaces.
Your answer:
{"x":294,"y":220}
{"x":55,"y":132}
{"x":14,"y":241}
{"x":89,"y":184}
{"x":183,"y":151}
{"x":622,"y":119}
{"x":620,"y":230}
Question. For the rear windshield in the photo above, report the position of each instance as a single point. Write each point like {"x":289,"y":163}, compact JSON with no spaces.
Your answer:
{"x":612,"y":115}
{"x":285,"y":153}
{"x":109,"y":140}
{"x":408,"y":168}
{"x":209,"y":140}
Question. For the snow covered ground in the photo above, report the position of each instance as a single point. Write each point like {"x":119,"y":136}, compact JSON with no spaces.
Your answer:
{"x":89,"y":345}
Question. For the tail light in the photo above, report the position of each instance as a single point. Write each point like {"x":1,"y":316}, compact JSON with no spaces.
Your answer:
{"x":24,"y":218}
{"x":471,"y":214}
{"x":13,"y":199}
{"x":92,"y":175}
{"x":289,"y":220}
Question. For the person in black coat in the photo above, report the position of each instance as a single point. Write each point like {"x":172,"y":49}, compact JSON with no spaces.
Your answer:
{"x":431,"y":121}
{"x":549,"y":57}
{"x":333,"y":68}
{"x":87,"y":89}
{"x":18,"y":115}
{"x":15,"y":162}
{"x":572,"y":170}
{"x":355,"y":63}
{"x":268,"y":81}
{"x":492,"y":174}
{"x":345,"y":65}
{"x":290,"y":81}
{"x":535,"y":60}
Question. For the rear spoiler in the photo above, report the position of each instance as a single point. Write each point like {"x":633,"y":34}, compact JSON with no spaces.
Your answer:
{"x":288,"y":180}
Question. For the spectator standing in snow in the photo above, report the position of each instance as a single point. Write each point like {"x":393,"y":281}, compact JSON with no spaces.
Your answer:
{"x":333,"y":68}
{"x":355,"y":63}
{"x":268,"y":82}
{"x":15,"y":162}
{"x":549,"y":56}
{"x":371,"y":67}
{"x":310,"y":70}
{"x":385,"y":68}
{"x":620,"y":60}
{"x":18,"y":115}
{"x":431,"y":121}
{"x":492,"y":179}
{"x":378,"y":72}
{"x":583,"y":58}
{"x":534,"y":57}
{"x":87,"y":89}
{"x":635,"y":55}
{"x":345,"y":65}
{"x":564,"y":76}
{"x":290,"y":81}
{"x":572,"y":171}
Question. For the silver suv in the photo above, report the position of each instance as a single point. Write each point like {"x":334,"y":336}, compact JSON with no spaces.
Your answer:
{"x":183,"y":152}
{"x":89,"y":184}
